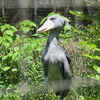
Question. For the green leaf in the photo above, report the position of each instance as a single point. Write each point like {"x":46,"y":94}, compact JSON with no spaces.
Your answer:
{"x":44,"y":19}
{"x":80,"y":15}
{"x":14,"y":55}
{"x":27,"y":23}
{"x":97,"y":49}
{"x":9,"y":32}
{"x":8,"y":55}
{"x":1,"y":40}
{"x":81,"y":98}
{"x":98,"y":77}
{"x":5,"y":57}
{"x":26,"y":73}
{"x":9,"y":38}
{"x":67,"y":27}
{"x":6,"y":68}
{"x":14,"y":70}
{"x":25,"y":29}
{"x":14,"y":29}
{"x":34,"y":45}
{"x":72,"y":12}
{"x":39,"y":49}
{"x":32,"y":24}
{"x":28,"y":58}
{"x":6,"y":44}
{"x":92,"y":56}
{"x":97,"y":68}
{"x":84,"y":43}
{"x":16,"y":48}
{"x":92,"y":75}
{"x":3,"y":28}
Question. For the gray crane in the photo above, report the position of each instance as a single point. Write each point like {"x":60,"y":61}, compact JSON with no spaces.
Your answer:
{"x":56,"y":60}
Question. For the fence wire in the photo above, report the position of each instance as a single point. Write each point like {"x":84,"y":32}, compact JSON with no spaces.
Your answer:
{"x":35,"y":10}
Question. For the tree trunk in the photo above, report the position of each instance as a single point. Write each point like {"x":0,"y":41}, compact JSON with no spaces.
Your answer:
{"x":3,"y":9}
{"x":35,"y":10}
{"x":77,"y":5}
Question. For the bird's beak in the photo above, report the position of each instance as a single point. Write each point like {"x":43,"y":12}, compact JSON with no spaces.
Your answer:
{"x":48,"y":25}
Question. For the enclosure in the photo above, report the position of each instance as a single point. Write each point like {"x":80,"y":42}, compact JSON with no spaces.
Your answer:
{"x":21,"y":47}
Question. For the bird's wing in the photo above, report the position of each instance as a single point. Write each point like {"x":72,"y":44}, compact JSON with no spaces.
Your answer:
{"x":67,"y":56}
{"x":65,"y":64}
{"x":65,"y":68}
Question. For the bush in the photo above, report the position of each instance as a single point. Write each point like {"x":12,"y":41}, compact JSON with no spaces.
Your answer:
{"x":21,"y":74}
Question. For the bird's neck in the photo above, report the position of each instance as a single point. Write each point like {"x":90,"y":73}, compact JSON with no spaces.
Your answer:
{"x":53,"y":40}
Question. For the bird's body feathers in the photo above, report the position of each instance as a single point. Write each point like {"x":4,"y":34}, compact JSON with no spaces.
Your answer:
{"x":56,"y":60}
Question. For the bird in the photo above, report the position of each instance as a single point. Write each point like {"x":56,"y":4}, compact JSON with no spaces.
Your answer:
{"x":56,"y":59}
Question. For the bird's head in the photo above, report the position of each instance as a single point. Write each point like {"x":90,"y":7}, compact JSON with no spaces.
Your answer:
{"x":53,"y":22}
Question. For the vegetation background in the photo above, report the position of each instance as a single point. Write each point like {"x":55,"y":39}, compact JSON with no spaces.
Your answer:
{"x":21,"y":74}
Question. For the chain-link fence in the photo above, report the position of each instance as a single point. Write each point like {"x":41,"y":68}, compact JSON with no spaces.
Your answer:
{"x":35,"y":10}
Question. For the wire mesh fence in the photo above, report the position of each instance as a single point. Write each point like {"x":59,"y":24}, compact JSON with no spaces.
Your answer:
{"x":32,"y":9}
{"x":35,"y":10}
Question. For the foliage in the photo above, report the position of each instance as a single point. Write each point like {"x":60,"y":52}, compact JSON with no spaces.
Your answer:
{"x":18,"y":59}
{"x":80,"y":14}
{"x":21,"y":74}
{"x":26,"y":26}
{"x":88,"y":37}
{"x":3,"y":20}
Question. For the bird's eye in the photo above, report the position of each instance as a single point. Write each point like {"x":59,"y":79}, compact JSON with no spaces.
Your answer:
{"x":52,"y":19}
